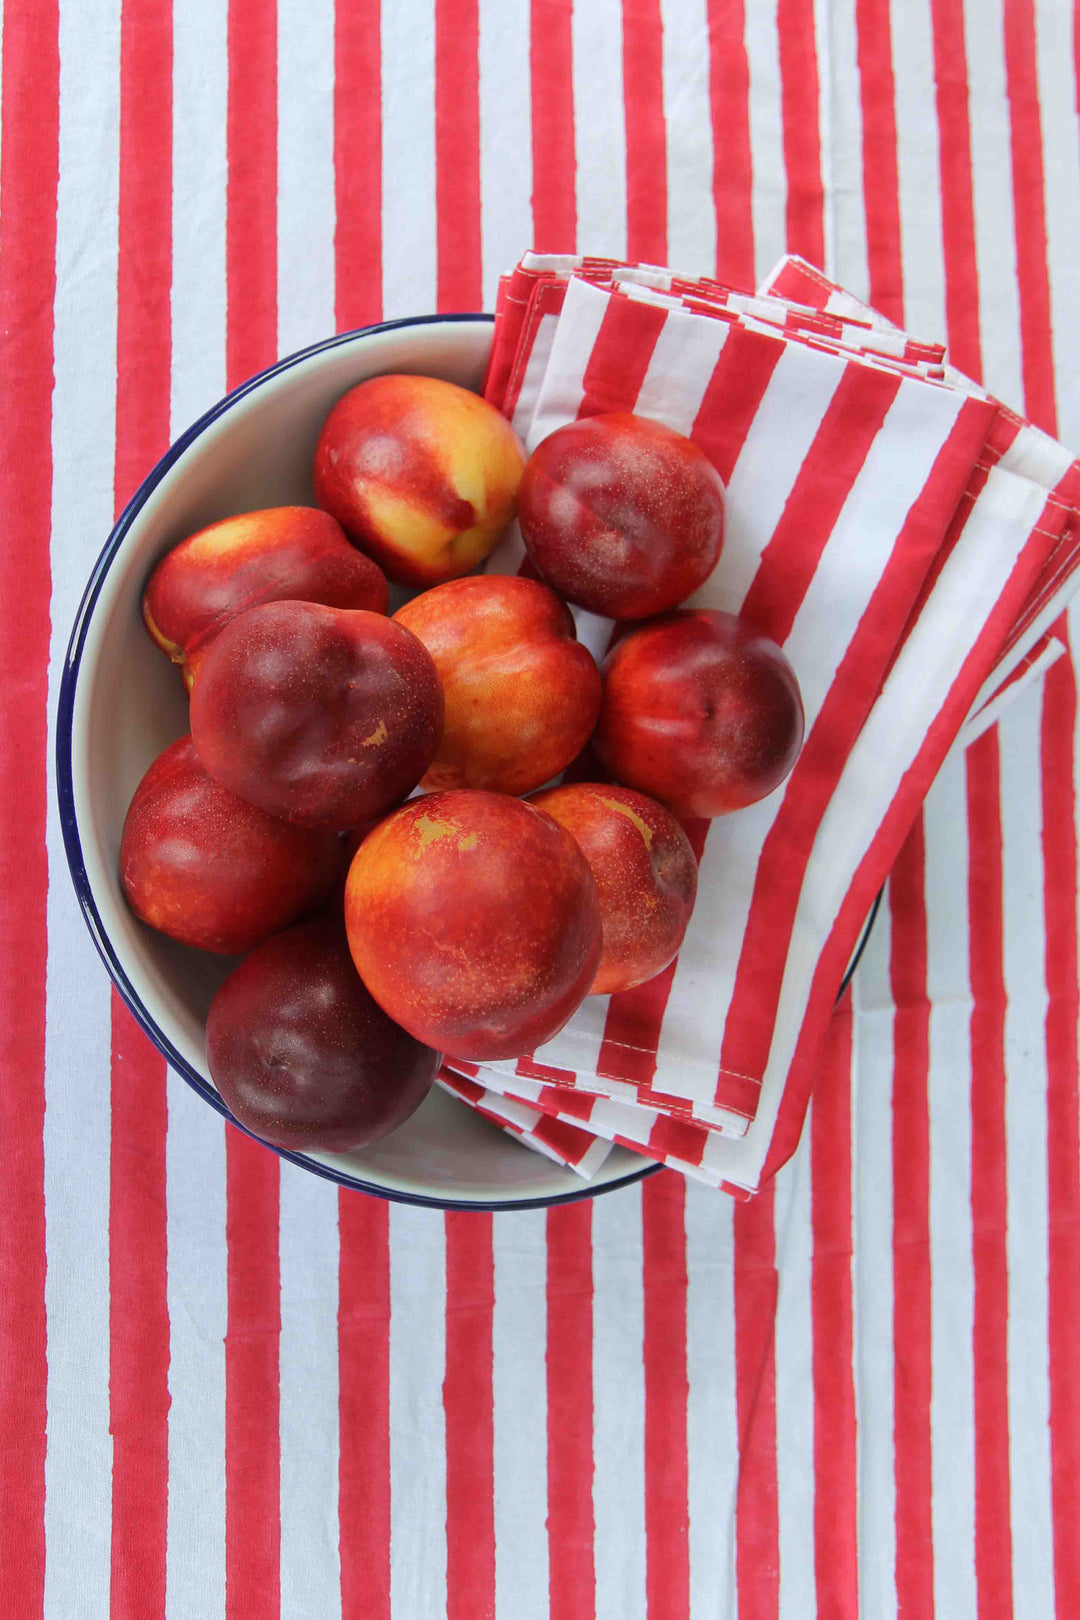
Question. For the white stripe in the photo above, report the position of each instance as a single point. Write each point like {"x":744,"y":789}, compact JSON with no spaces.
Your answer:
{"x":519,"y":1381}
{"x":889,"y":482}
{"x":308,"y":1415}
{"x":691,"y":214}
{"x":76,"y":1136}
{"x":1056,"y":66}
{"x":712,"y":1431}
{"x":600,"y":128}
{"x":417,"y":1418}
{"x":198,"y":1317}
{"x":952,"y":1416}
{"x":618,"y":1407}
{"x":200,"y":95}
{"x":679,"y":372}
{"x":845,"y":217}
{"x":991,"y":173}
{"x":1026,"y":1159}
{"x":872,"y":1211}
{"x":305,"y":190}
{"x":768,"y":192}
{"x":918,"y":170}
{"x":796,"y":398}
{"x":505,"y":138}
{"x":408,"y":158}
{"x":794,"y":1382}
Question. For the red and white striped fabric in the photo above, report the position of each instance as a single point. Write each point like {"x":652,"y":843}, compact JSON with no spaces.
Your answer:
{"x":561,"y":1140}
{"x":228,"y":1390}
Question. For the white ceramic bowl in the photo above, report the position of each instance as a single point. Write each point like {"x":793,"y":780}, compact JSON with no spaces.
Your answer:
{"x":121,"y":703}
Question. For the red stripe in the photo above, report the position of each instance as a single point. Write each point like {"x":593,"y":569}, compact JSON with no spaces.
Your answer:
{"x":457,"y":155}
{"x":881,"y":187}
{"x":554,"y":157}
{"x":856,"y":413}
{"x":729,"y":105}
{"x":957,"y":199}
{"x":251,"y":191}
{"x":467,"y":1401}
{"x":364,"y":1406}
{"x":620,"y":356}
{"x":28,"y":184}
{"x":835,"y":1441}
{"x":736,"y":388}
{"x":252,"y":1340}
{"x":1029,"y":211}
{"x":138,"y":1306}
{"x":789,"y":841}
{"x":1063,"y":1118}
{"x":252,"y":1437}
{"x":138,"y":1321}
{"x":663,"y":1233}
{"x":989,"y":1199}
{"x":358,"y":163}
{"x":911,"y":1229}
{"x":799,"y":90}
{"x":757,"y":1524}
{"x":646,"y":131}
{"x":572,"y":1578}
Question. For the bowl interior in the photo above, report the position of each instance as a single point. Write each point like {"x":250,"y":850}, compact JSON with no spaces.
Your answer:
{"x":126,"y":704}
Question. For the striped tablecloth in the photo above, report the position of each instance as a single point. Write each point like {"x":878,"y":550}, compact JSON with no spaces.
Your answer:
{"x":226,"y":1388}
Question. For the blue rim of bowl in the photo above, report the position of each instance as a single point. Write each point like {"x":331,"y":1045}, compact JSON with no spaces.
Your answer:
{"x":73,"y":845}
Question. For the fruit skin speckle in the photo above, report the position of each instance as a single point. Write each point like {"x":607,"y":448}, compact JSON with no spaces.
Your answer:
{"x":474,"y":920}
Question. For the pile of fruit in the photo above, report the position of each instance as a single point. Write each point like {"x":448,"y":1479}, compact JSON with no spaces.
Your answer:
{"x":471,"y":921}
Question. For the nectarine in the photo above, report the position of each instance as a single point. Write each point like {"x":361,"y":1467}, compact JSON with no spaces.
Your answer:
{"x":317,"y":714}
{"x":301,"y":1053}
{"x":522,"y":693}
{"x":474,"y":921}
{"x":621,"y":514}
{"x":421,"y":474}
{"x":211,"y":870}
{"x":700,"y":710}
{"x":645,"y":872}
{"x":284,"y":552}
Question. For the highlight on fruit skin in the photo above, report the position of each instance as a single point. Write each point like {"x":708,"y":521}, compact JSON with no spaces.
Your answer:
{"x":522,"y":693}
{"x":422,"y":475}
{"x":280,"y":553}
{"x":474,"y":920}
{"x":646,"y":875}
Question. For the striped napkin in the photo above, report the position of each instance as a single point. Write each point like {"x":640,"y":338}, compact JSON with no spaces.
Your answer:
{"x":901,"y":535}
{"x":561,"y":1140}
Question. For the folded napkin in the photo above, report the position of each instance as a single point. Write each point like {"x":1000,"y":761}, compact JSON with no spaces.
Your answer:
{"x":680,"y":1143}
{"x":558,"y":1139}
{"x":896,"y":531}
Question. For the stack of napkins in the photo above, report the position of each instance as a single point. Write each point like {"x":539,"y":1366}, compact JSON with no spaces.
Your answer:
{"x":906,"y":539}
